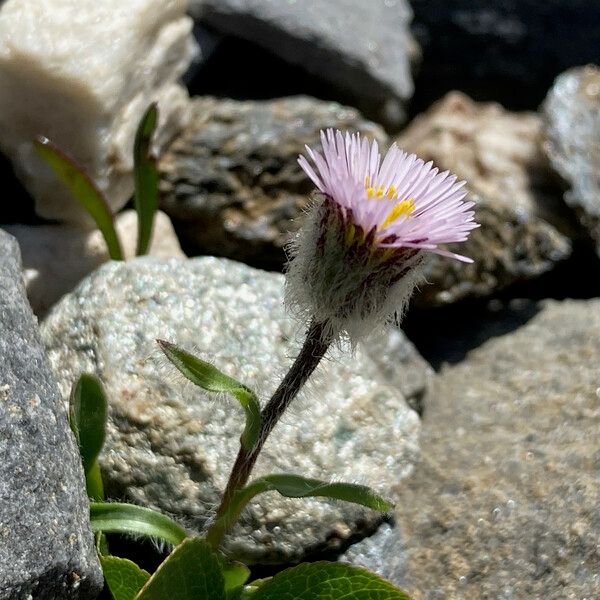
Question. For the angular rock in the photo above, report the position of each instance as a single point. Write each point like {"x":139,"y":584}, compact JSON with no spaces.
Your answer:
{"x":500,"y":156}
{"x":82,"y":73}
{"x":572,"y":111}
{"x":46,"y":545}
{"x":363,"y":48}
{"x":502,"y":49}
{"x":231,"y":182}
{"x":504,"y":501}
{"x":56,"y":257}
{"x":171,"y":447}
{"x":382,"y":553}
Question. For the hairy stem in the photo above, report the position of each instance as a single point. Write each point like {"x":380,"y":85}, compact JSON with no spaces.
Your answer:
{"x":315,"y":346}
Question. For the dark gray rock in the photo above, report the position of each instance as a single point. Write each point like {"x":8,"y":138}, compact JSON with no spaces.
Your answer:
{"x":499,"y":154}
{"x":504,"y":501}
{"x":171,"y":445}
{"x":572,"y":111}
{"x":231,"y":182}
{"x":363,"y":48}
{"x":46,"y":545}
{"x":507,"y":50}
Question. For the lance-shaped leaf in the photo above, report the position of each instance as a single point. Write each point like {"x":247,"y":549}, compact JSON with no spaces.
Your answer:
{"x":145,"y":197}
{"x":209,"y":378}
{"x":123,"y":577}
{"x":114,"y":517}
{"x":327,"y":581}
{"x":191,"y":572}
{"x":293,"y":486}
{"x":88,"y":409}
{"x":84,"y":190}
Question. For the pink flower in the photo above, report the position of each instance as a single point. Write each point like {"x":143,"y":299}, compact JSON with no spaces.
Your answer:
{"x":404,"y":201}
{"x":359,"y":255}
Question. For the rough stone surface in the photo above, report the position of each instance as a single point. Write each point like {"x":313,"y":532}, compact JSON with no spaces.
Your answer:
{"x":171,"y":447}
{"x":82,"y":73}
{"x":503,"y":49}
{"x":231,"y":182}
{"x":57,"y":257}
{"x":499,"y":154}
{"x":364,"y":48}
{"x":504,"y":501}
{"x":46,"y":546}
{"x":572,"y":111}
{"x":382,"y":553}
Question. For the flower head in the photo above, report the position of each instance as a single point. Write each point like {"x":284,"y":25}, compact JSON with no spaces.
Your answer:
{"x":356,"y":260}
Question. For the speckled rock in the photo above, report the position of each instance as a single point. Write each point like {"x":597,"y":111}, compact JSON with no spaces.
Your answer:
{"x":57,"y":257}
{"x":231,"y":183}
{"x":171,"y":447}
{"x":364,"y":48}
{"x":381,"y":553}
{"x":46,"y":545}
{"x":499,"y":154}
{"x":504,"y":501}
{"x":572,"y":111}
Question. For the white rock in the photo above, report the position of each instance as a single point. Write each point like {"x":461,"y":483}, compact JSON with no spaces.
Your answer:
{"x":56,"y":257}
{"x":81,"y":72}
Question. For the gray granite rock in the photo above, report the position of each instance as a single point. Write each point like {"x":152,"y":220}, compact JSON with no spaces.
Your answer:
{"x":231,"y":183}
{"x":46,"y":545}
{"x":572,"y":111}
{"x":170,"y":446}
{"x":57,"y":256}
{"x":504,"y":501}
{"x":523,"y":232}
{"x":381,"y":553}
{"x":364,"y":48}
{"x":503,"y":49}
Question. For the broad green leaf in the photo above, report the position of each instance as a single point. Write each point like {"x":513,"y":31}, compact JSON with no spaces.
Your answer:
{"x":114,"y":517}
{"x":293,"y":486}
{"x":123,"y":577}
{"x":84,"y":190}
{"x":191,"y":572}
{"x":145,"y":197}
{"x":209,"y":378}
{"x":88,"y":409}
{"x":327,"y":581}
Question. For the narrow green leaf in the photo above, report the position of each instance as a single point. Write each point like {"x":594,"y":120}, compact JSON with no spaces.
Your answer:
{"x":114,"y":517}
{"x":145,"y":198}
{"x":93,"y":483}
{"x":191,"y":572}
{"x":293,"y":486}
{"x":123,"y":577}
{"x":84,"y":190}
{"x":88,"y":411}
{"x":327,"y":581}
{"x":209,"y":378}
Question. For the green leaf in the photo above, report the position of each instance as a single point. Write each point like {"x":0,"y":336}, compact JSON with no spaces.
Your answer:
{"x":235,"y":574}
{"x":191,"y":572}
{"x":145,"y":198}
{"x":293,"y":486}
{"x":209,"y":378}
{"x":123,"y":577}
{"x":88,"y":410}
{"x":84,"y":191}
{"x":114,"y":517}
{"x":327,"y":581}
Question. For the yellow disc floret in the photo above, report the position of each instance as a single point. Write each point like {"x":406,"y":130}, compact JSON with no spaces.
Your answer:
{"x":402,"y":209}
